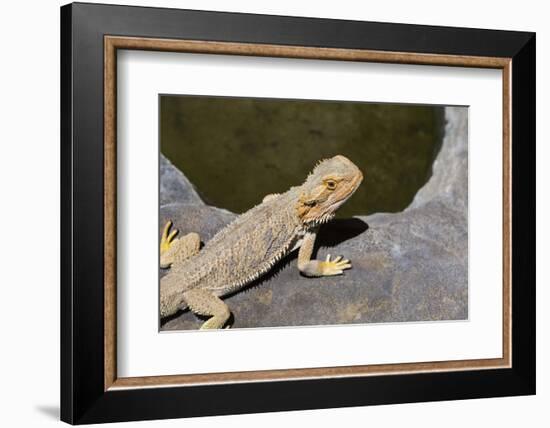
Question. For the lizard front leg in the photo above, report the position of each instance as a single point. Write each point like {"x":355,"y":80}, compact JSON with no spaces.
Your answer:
{"x":203,"y":302}
{"x":175,"y":250}
{"x":314,"y":268}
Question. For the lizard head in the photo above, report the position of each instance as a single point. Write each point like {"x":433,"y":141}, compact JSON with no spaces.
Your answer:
{"x":327,"y":187}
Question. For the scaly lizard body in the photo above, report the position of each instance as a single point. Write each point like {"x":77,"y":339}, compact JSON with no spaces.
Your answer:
{"x":250,"y":246}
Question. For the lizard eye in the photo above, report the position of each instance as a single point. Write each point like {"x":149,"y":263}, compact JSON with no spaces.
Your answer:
{"x":331,"y":184}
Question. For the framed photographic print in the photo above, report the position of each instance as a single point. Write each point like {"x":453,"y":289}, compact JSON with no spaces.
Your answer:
{"x":291,"y":213}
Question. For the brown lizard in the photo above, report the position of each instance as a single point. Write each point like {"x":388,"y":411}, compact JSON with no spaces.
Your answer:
{"x":250,"y":246}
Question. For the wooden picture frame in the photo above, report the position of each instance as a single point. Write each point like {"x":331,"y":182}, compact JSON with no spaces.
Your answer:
{"x":91,"y":391}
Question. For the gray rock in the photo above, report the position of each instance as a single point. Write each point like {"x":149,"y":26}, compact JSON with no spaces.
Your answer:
{"x":174,"y":186}
{"x":449,"y":181}
{"x":407,"y":266}
{"x":199,"y":218}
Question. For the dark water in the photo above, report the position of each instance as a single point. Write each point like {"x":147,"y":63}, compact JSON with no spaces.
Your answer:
{"x":236,"y":150}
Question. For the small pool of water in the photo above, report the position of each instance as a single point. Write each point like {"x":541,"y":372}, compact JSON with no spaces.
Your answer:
{"x":236,"y":150}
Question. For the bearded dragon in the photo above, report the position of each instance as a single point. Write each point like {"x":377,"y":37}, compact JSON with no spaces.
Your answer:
{"x":253,"y":243}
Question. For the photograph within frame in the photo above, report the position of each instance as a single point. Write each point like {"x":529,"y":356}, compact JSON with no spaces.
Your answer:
{"x":232,"y":149}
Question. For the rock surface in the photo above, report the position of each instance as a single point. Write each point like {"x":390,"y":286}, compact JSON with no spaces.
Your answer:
{"x":407,"y":266}
{"x":174,"y":186}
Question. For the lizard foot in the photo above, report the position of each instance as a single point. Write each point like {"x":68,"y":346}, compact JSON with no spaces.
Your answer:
{"x":176,"y":250}
{"x":167,"y":242}
{"x":213,"y":324}
{"x":334,"y":267}
{"x":204,"y":302}
{"x":167,"y":237}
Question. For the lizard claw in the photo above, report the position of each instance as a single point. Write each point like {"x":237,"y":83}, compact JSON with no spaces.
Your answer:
{"x":335,"y":266}
{"x":167,"y":242}
{"x":167,"y":237}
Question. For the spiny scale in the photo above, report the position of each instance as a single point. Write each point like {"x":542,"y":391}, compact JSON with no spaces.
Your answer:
{"x":244,"y":250}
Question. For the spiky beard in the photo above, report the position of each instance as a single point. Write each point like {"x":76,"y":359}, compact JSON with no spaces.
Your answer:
{"x":325,"y":218}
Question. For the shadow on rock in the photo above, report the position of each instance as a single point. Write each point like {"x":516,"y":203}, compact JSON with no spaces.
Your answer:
{"x":340,"y":230}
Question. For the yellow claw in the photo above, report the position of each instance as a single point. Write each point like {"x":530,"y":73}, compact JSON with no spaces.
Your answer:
{"x":167,"y":237}
{"x":334,"y":267}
